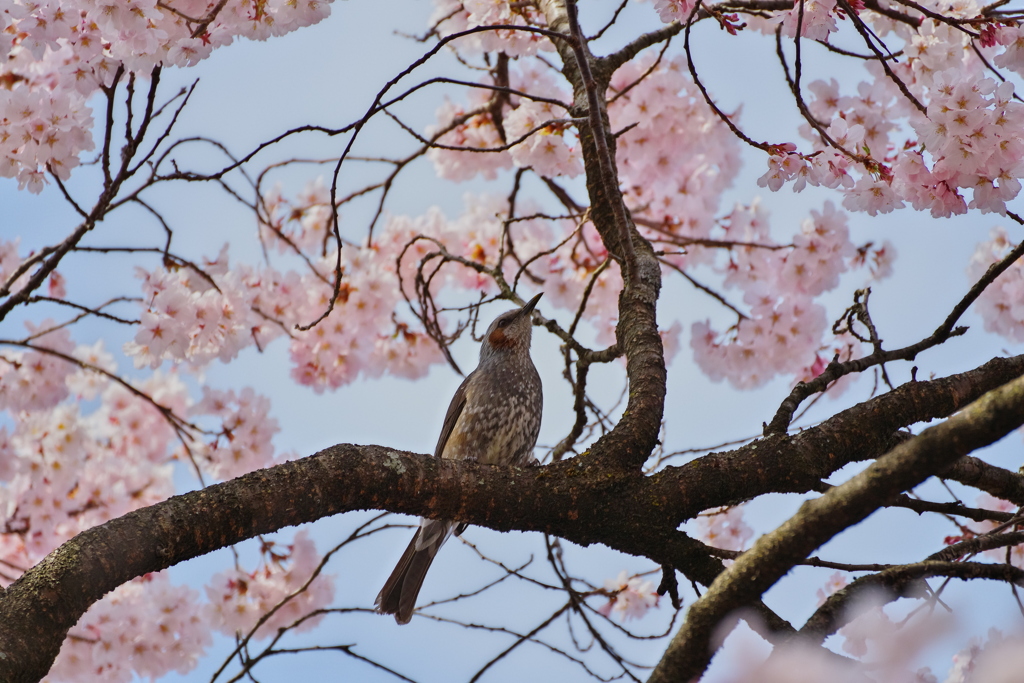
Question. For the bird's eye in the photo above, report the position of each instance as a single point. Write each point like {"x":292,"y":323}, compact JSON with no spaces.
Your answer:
{"x":503,"y":322}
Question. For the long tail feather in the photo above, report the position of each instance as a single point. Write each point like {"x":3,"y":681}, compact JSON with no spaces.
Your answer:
{"x":398,"y":596}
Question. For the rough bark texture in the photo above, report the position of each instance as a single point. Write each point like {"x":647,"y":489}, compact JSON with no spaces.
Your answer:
{"x":633,"y":439}
{"x":618,"y":508}
{"x":983,"y":422}
{"x":600,"y":497}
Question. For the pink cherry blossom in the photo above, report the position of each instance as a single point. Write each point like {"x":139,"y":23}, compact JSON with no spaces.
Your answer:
{"x":1001,"y":305}
{"x":1013,"y":56}
{"x":998,"y":660}
{"x":822,"y":252}
{"x":836,"y":582}
{"x":546,"y":151}
{"x":629,"y":597}
{"x":782,"y":333}
{"x":61,"y":53}
{"x":36,"y":380}
{"x":472,"y":132}
{"x":243,"y":441}
{"x":238,"y":599}
{"x":724,"y":528}
{"x":678,"y":157}
{"x":817,"y":21}
{"x":454,"y":16}
{"x":872,"y":197}
{"x":673,"y":10}
{"x":147,"y":627}
{"x":87,"y":382}
{"x":190,"y":316}
{"x":1013,"y":554}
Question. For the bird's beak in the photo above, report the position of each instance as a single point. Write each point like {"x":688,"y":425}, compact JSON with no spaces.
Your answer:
{"x":525,"y":310}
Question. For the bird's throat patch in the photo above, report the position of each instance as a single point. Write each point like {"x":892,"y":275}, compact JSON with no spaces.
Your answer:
{"x":499,"y":340}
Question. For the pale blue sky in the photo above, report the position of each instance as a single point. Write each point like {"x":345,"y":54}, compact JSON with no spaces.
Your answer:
{"x":328,"y":74}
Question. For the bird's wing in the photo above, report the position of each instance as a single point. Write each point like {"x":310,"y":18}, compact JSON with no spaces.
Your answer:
{"x":452,"y":416}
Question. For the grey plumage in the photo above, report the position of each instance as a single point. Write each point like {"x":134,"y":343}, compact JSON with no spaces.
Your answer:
{"x":494,"y":418}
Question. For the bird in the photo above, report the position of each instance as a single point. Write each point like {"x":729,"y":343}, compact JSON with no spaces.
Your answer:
{"x":494,"y":418}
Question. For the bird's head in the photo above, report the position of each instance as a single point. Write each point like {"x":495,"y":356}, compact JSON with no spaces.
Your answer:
{"x":511,"y":331}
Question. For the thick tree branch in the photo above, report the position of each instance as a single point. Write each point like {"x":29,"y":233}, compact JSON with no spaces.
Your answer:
{"x":611,"y":62}
{"x":580,"y":502}
{"x":633,"y":439}
{"x":799,"y":463}
{"x":835,"y":370}
{"x":39,"y":608}
{"x":988,"y":478}
{"x":978,"y":544}
{"x":898,"y":582}
{"x":983,"y":422}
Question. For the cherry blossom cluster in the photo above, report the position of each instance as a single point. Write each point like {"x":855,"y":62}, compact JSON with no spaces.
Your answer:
{"x":454,"y":16}
{"x":238,"y":599}
{"x":40,"y":131}
{"x":1012,"y":38}
{"x":1001,"y":305}
{"x":242,"y":442}
{"x":677,"y":157}
{"x":1013,"y":554}
{"x":783,"y":332}
{"x":673,"y":10}
{"x":547,"y":151}
{"x":360,"y":336}
{"x":63,"y":471}
{"x":302,"y":225}
{"x":196,"y":315}
{"x":882,"y":153}
{"x":55,"y":54}
{"x":999,"y":658}
{"x":858,"y":126}
{"x":973,"y":134}
{"x":816,"y":19}
{"x":467,"y":128}
{"x":546,"y":142}
{"x":836,"y":582}
{"x":146,"y":627}
{"x":891,"y":652}
{"x":36,"y":380}
{"x":363,"y":334}
{"x":724,"y":528}
{"x":574,"y":267}
{"x":673,"y":176}
{"x":629,"y":597}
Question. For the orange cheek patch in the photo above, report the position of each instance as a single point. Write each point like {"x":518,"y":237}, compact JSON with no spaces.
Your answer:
{"x":499,"y":340}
